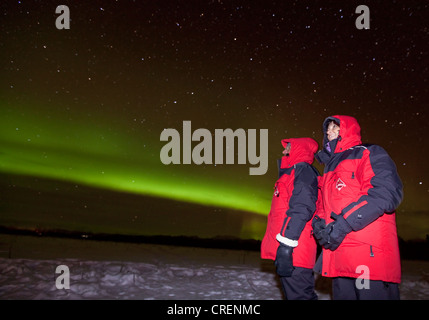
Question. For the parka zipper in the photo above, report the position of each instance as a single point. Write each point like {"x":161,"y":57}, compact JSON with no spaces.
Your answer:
{"x":371,"y":254}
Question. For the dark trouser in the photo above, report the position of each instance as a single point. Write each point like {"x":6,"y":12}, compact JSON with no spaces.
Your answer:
{"x":346,"y":289}
{"x":300,"y":286}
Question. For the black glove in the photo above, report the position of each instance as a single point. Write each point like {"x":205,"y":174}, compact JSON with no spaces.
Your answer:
{"x":331,"y":236}
{"x":283,"y":262}
{"x":318,"y":224}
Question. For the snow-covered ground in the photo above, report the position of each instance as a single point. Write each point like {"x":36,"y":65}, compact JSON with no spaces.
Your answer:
{"x":112,"y":270}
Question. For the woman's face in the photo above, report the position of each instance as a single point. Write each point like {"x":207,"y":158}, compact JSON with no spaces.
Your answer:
{"x":333,"y":131}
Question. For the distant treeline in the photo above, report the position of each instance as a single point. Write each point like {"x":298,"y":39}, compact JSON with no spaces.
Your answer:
{"x":410,"y":249}
{"x":414,"y":249}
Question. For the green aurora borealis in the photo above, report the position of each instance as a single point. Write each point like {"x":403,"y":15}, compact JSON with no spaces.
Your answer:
{"x":96,"y":156}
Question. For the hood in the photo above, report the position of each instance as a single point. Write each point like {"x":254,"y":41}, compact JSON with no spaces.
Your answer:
{"x":302,"y":150}
{"x":349,"y":136}
{"x":349,"y":132}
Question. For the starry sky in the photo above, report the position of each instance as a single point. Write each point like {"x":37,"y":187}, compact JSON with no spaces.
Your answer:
{"x":87,"y":105}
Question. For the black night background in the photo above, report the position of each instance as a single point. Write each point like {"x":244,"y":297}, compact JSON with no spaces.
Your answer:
{"x":82,"y":109}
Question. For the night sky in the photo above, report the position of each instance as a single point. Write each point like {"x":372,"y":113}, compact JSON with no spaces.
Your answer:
{"x":87,"y":105}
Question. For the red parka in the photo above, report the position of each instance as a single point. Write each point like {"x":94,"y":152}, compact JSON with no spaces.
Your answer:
{"x":294,"y":203}
{"x":361,"y":183}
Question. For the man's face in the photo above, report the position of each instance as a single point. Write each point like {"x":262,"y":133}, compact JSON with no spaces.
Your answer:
{"x":287,"y":149}
{"x":333,"y":131}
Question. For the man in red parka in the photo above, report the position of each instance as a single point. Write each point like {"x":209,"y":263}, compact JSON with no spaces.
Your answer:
{"x":356,"y":225}
{"x":288,"y":239}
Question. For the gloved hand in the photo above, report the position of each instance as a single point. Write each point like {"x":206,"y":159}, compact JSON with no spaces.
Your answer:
{"x":284,"y":262}
{"x":331,"y":236}
{"x":319,"y":229}
{"x":318,"y":224}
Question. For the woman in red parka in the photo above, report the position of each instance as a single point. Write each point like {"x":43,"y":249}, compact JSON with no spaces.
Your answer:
{"x":360,"y":191}
{"x":288,"y":239}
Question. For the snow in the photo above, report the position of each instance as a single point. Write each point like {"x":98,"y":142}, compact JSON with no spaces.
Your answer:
{"x":128,"y":271}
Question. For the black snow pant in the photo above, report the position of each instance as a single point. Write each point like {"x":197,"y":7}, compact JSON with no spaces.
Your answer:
{"x":299,"y":286}
{"x":346,"y":289}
